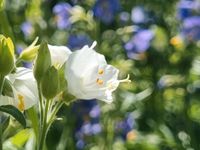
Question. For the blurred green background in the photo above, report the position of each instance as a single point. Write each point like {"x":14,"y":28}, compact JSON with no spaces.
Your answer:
{"x":157,"y":42}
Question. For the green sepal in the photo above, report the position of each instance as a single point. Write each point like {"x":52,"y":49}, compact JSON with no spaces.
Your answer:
{"x":62,"y":80}
{"x":67,"y":97}
{"x":43,"y":61}
{"x":50,"y":83}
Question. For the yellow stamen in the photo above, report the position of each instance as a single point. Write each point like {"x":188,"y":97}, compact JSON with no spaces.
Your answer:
{"x":100,"y":72}
{"x":21,"y":102}
{"x":99,"y":81}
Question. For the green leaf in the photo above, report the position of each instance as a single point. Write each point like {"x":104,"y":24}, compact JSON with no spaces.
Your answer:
{"x":5,"y":124}
{"x":21,"y":137}
{"x":13,"y":111}
{"x":32,"y":115}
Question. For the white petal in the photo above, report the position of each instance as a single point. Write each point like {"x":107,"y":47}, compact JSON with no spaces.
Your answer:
{"x":85,"y":58}
{"x":24,"y":83}
{"x":21,"y":74}
{"x":6,"y":100}
{"x":59,"y":54}
{"x":82,"y":74}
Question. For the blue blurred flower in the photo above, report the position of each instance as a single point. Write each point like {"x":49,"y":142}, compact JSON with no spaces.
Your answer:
{"x":87,"y":124}
{"x":77,"y":41}
{"x":80,"y":144}
{"x":62,"y":13}
{"x":191,"y":28}
{"x":27,"y":28}
{"x":105,"y":10}
{"x":124,"y":126}
{"x":187,"y":7}
{"x":124,"y":17}
{"x":95,"y":111}
{"x":139,"y":43}
{"x":138,"y":15}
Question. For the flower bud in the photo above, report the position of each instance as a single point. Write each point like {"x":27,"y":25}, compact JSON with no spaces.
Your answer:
{"x":6,"y":55}
{"x":30,"y":52}
{"x":1,"y":4}
{"x":42,"y":62}
{"x":50,"y":83}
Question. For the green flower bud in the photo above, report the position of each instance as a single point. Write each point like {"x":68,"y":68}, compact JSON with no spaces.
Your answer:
{"x":50,"y":83}
{"x":30,"y":52}
{"x":1,"y":4}
{"x":6,"y":55}
{"x":42,"y":62}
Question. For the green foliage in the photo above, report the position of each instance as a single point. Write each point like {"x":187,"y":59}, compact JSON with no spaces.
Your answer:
{"x":13,"y":111}
{"x":163,"y":97}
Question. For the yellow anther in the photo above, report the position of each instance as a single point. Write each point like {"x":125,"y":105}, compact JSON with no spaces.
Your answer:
{"x":21,"y":106}
{"x":99,"y":81}
{"x":100,"y":71}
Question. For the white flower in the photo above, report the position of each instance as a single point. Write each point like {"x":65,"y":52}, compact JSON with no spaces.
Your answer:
{"x":59,"y":55}
{"x":24,"y":86}
{"x":89,"y":76}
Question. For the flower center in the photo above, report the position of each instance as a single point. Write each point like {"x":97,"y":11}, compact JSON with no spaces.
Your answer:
{"x":21,"y":102}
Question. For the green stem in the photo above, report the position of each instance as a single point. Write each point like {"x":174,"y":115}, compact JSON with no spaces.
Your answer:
{"x":2,"y":79}
{"x":44,"y":126}
{"x":18,"y":61}
{"x":56,"y":109}
{"x":1,"y":133}
{"x":41,"y":114}
{"x":40,"y":102}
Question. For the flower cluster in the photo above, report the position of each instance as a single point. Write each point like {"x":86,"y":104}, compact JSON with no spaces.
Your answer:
{"x":58,"y":75}
{"x":87,"y":74}
{"x":188,"y":13}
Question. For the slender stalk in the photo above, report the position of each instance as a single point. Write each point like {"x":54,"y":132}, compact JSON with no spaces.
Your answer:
{"x":1,"y":132}
{"x":54,"y":112}
{"x":40,"y":101}
{"x":18,"y":61}
{"x":41,"y":113}
{"x":2,"y":79}
{"x":44,"y":126}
